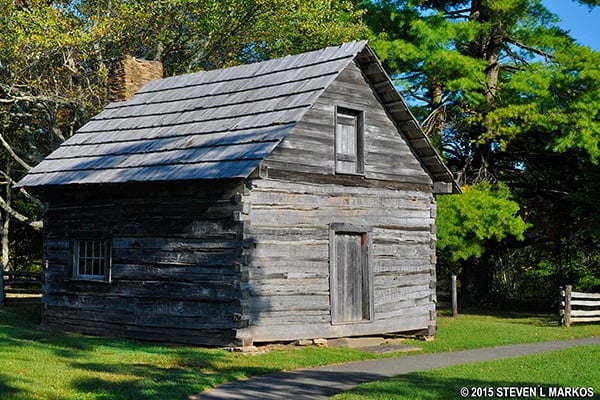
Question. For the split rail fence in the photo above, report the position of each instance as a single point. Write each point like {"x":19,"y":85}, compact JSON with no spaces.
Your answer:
{"x":21,"y":282}
{"x":578,"y":306}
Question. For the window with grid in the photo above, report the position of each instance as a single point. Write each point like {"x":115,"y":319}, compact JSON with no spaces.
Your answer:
{"x":91,"y":259}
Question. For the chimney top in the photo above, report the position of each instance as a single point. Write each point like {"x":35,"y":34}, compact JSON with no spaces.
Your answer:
{"x":128,"y":74}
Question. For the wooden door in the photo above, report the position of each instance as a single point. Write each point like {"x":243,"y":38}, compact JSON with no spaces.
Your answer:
{"x":350,"y":287}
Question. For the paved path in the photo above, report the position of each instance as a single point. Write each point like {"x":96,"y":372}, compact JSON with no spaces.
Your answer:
{"x":324,"y":382}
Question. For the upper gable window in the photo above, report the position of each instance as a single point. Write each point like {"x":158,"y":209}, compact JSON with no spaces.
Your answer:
{"x":349,"y":141}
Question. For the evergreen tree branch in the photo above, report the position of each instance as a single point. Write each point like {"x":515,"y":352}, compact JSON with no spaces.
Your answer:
{"x":523,"y":46}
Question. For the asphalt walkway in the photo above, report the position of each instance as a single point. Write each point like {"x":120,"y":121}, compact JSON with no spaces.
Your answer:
{"x":324,"y":382}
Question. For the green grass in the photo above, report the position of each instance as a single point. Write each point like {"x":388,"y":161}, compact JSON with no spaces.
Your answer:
{"x":578,"y":367}
{"x":35,"y":364}
{"x":475,"y":329}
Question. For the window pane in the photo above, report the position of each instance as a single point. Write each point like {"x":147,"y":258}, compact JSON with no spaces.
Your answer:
{"x":91,"y":259}
{"x":86,"y":266}
{"x":96,"y":245}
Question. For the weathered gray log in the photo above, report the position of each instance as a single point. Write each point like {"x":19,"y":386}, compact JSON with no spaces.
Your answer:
{"x":566,"y":313}
{"x":585,"y":307}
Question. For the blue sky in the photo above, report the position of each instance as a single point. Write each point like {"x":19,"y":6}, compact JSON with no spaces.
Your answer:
{"x":582,"y":24}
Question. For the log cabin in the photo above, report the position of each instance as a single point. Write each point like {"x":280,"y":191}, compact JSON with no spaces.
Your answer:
{"x":282,"y":200}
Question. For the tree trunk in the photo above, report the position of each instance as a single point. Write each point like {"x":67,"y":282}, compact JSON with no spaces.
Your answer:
{"x":487,"y":47}
{"x":5,"y":230}
{"x":2,"y":214}
{"x":4,"y":236}
{"x":436,"y":120}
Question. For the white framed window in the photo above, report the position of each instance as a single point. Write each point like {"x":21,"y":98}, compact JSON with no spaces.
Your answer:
{"x":349,"y":138}
{"x":92,"y":259}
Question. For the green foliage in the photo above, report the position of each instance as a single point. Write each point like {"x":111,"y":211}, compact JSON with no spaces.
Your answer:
{"x":509,"y":97}
{"x":576,"y":92}
{"x":190,"y":35}
{"x":25,"y":246}
{"x":560,"y":99}
{"x":500,"y":71}
{"x":465,"y":223}
{"x":419,"y":50}
{"x":589,"y":3}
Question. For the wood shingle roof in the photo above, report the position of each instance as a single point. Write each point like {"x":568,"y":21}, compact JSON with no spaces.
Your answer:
{"x":216,"y":124}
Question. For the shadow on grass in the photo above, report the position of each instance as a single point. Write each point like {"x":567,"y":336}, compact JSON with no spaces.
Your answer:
{"x":150,"y":382}
{"x":20,"y":327}
{"x":422,"y":387}
{"x":106,"y":369}
{"x":7,"y":390}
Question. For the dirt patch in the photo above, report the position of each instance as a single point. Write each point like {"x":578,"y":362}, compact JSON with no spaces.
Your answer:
{"x":377,"y":345}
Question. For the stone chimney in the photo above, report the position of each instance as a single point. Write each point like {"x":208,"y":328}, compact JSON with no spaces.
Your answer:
{"x":128,"y":75}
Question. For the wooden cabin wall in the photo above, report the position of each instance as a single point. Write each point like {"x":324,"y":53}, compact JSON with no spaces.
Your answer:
{"x":176,"y":256}
{"x":292,"y":210}
{"x":309,"y":148}
{"x":288,"y":285}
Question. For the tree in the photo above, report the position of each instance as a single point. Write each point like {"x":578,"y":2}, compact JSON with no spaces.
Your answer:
{"x":472,"y":225}
{"x":457,"y":58}
{"x":507,"y":96}
{"x":46,"y":89}
{"x":482,"y":213}
{"x":590,"y":3}
{"x":191,"y":35}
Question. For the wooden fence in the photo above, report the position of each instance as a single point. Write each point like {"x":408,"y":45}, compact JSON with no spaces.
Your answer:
{"x":22,"y":282}
{"x":578,"y":306}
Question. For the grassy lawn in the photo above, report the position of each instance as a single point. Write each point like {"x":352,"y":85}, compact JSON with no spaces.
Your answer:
{"x":475,"y":329}
{"x":553,"y":371}
{"x":49,"y":365}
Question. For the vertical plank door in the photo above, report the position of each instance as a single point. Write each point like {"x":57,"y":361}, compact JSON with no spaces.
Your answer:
{"x":350,"y":300}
